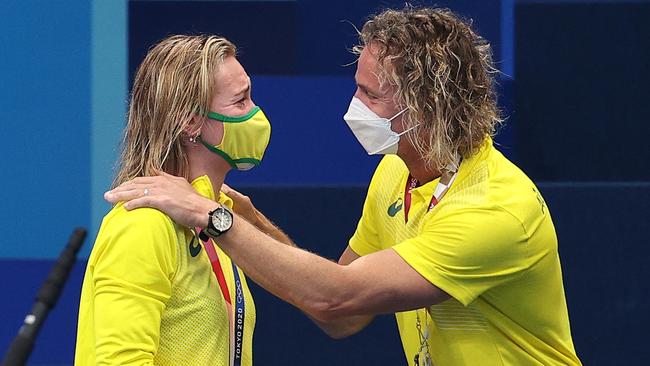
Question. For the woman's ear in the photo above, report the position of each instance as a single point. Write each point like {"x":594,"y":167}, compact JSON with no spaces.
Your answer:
{"x":195,"y":126}
{"x":193,"y":129}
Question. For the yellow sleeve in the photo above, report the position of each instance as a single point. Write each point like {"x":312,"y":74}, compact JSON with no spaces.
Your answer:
{"x":469,"y":251}
{"x":365,"y":239}
{"x":133,"y":269}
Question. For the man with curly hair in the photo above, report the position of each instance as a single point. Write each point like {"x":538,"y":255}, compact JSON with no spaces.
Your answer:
{"x":454,"y":239}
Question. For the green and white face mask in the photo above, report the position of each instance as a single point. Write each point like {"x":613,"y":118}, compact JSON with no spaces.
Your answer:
{"x":245,"y":138}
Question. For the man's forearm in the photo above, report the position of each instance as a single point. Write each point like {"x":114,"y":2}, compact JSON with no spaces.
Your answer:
{"x":347,"y":326}
{"x":301,"y":278}
{"x":337,"y":329}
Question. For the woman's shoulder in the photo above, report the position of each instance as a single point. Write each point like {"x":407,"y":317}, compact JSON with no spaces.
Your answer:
{"x":145,"y":218}
{"x":144,"y":230}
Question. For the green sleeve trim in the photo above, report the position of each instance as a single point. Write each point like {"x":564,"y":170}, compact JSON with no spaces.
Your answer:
{"x":233,"y":119}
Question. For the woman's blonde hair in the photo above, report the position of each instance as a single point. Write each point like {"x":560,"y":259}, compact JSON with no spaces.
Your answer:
{"x":442,"y":72}
{"x":174,"y":83}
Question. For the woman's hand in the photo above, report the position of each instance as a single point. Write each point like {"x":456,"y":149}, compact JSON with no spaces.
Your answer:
{"x":170,"y":194}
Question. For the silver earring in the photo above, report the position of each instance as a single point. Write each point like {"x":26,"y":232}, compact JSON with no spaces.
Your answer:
{"x":193,"y":139}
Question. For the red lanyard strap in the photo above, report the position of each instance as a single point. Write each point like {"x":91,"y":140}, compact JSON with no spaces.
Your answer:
{"x":446,"y":179}
{"x":216,"y":265}
{"x":411,"y":183}
{"x":235,"y":325}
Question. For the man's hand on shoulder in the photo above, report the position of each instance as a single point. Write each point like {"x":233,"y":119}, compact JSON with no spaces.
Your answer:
{"x":172,"y":195}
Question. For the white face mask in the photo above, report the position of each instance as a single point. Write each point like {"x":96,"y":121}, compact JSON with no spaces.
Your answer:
{"x":373,"y":132}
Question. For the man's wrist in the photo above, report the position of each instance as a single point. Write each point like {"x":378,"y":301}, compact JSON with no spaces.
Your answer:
{"x":202,"y":215}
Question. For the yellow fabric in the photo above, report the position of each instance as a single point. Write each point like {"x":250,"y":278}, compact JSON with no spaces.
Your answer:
{"x":245,"y":142}
{"x":147,"y":301}
{"x":490,"y":244}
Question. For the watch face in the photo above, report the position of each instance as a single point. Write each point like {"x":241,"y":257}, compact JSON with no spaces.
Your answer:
{"x":222,"y":220}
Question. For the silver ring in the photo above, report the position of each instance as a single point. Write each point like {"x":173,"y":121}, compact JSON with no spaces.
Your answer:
{"x":146,"y":191}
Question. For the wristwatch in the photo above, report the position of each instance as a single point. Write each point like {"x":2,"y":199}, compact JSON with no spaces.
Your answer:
{"x":219,"y":221}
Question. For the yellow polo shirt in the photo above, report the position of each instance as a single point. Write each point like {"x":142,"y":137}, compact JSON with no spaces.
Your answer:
{"x":150,"y":297}
{"x":490,"y":244}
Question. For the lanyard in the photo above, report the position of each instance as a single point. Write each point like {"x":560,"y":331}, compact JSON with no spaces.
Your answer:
{"x":236,"y":320}
{"x":446,"y":179}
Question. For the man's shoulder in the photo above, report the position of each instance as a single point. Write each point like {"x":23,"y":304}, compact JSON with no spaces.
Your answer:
{"x":488,"y":182}
{"x":496,"y":186}
{"x":512,"y":190}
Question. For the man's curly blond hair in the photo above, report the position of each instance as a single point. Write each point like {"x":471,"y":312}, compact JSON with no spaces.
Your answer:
{"x":442,"y":72}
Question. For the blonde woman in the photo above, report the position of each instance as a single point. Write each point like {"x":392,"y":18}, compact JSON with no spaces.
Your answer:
{"x":156,"y":292}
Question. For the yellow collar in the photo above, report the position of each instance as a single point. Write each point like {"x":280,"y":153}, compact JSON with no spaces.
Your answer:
{"x":466,"y":166}
{"x":203,"y":186}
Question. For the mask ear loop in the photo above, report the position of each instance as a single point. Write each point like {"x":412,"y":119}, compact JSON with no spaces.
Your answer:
{"x":404,"y":132}
{"x":397,"y":115}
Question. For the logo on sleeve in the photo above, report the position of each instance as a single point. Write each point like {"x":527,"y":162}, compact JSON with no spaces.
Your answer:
{"x":195,"y":247}
{"x":540,"y":199}
{"x":395,"y":207}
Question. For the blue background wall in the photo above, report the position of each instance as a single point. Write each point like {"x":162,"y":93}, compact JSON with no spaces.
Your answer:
{"x":45,"y":104}
{"x":574,"y":88}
